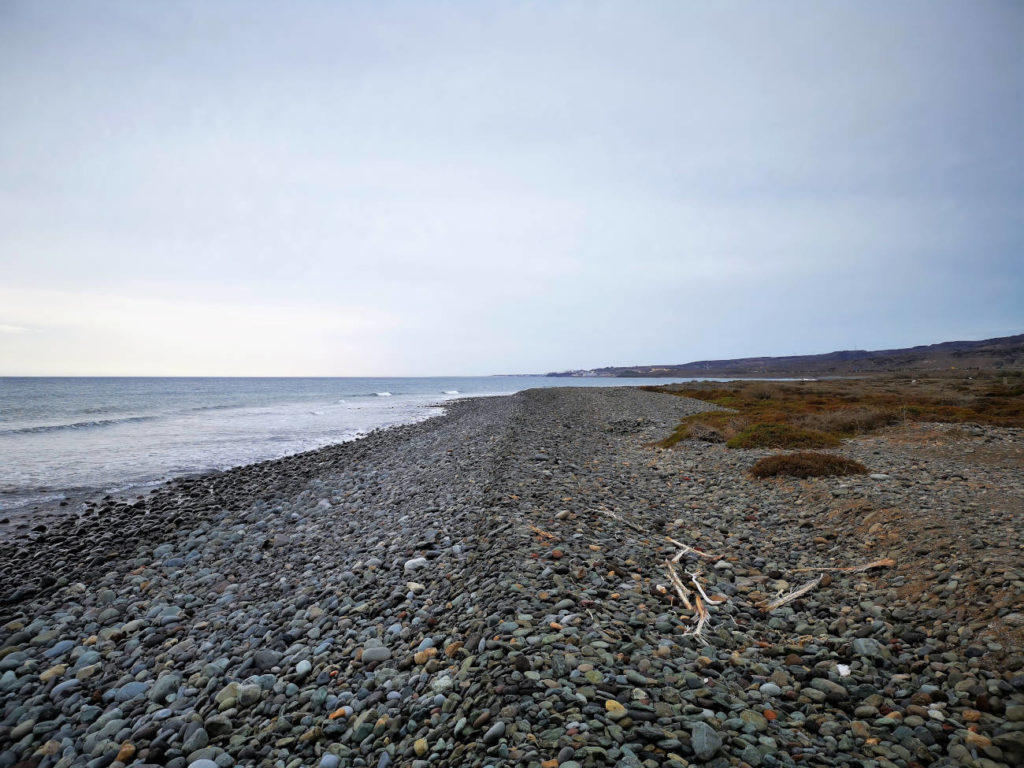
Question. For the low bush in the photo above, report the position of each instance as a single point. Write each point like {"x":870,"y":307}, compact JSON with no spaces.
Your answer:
{"x":781,"y":436}
{"x":849,"y":421}
{"x":706,"y":434}
{"x":709,"y":426}
{"x":848,"y":407}
{"x":806,"y":464}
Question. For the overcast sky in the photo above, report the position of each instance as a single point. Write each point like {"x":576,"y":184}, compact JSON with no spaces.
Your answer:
{"x":329,"y":188}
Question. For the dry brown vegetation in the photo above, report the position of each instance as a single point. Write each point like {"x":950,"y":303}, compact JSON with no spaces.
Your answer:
{"x":841,"y":408}
{"x":806,"y":464}
{"x":782,"y":435}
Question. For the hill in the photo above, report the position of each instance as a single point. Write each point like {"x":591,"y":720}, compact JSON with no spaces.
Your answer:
{"x":1001,"y":353}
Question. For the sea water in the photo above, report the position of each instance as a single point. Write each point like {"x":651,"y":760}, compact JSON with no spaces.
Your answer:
{"x":61,"y":436}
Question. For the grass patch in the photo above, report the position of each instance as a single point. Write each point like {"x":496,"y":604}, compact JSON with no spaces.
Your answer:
{"x":782,"y":436}
{"x":848,"y":422}
{"x":847,"y":407}
{"x":710,"y":426}
{"x":806,"y":464}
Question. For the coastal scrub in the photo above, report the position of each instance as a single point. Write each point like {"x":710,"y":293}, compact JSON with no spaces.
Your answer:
{"x":781,"y":436}
{"x":806,"y":464}
{"x":768,"y":413}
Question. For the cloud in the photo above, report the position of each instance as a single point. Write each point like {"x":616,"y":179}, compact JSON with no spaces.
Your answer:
{"x":13,"y":328}
{"x":154,"y":334}
{"x":469,"y":188}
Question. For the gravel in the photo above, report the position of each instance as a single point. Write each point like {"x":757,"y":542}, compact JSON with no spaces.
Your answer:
{"x":487,"y":588}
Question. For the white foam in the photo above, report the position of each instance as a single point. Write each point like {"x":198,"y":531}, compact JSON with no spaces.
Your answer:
{"x":383,"y":394}
{"x":450,"y":392}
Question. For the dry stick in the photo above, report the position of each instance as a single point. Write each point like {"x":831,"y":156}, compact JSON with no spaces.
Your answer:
{"x":800,"y":591}
{"x":883,"y":563}
{"x":538,"y":531}
{"x":702,"y":613}
{"x":680,"y":588}
{"x":603,"y":633}
{"x":703,"y":617}
{"x":693,"y":577}
{"x":686,"y":549}
{"x":632,"y":525}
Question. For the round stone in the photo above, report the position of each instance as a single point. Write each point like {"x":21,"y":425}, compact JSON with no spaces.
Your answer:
{"x":614,"y":710}
{"x":265,"y":659}
{"x":376,"y":654}
{"x":494,"y":733}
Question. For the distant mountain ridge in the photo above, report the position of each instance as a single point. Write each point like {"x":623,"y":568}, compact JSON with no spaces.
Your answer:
{"x":1006,"y":352}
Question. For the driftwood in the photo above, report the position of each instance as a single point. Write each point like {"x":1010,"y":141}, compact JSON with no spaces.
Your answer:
{"x":539,"y":532}
{"x":685,"y":549}
{"x":790,"y":596}
{"x":813,"y":583}
{"x":698,"y":602}
{"x":885,"y":562}
{"x":712,"y":600}
{"x":613,"y":516}
{"x":703,"y":617}
{"x":681,"y":589}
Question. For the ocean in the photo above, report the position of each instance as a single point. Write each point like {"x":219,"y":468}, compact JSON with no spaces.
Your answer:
{"x":71,"y":436}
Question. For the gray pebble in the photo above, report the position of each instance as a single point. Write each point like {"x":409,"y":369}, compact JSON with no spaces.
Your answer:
{"x":494,"y":733}
{"x":416,"y":564}
{"x":705,"y":741}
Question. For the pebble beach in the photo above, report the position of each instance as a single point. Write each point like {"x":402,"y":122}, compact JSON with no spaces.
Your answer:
{"x":527,"y":581}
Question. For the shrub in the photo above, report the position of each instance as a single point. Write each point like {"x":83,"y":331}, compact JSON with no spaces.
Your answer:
{"x":706,"y":434}
{"x":806,"y":464}
{"x":847,"y":407}
{"x":1005,"y":391}
{"x":781,"y":436}
{"x":709,"y":426}
{"x":849,"y":421}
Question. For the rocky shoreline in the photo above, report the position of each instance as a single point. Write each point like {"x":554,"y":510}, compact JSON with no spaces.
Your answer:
{"x":489,"y":588}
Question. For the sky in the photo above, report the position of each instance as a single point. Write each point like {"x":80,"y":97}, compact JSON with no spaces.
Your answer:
{"x":442,"y":188}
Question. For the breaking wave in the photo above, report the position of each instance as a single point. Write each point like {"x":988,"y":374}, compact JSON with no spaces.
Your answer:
{"x":76,"y":425}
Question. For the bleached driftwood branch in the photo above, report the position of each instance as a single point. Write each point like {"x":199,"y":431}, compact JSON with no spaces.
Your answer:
{"x":681,"y":589}
{"x":790,"y":596}
{"x":685,"y":549}
{"x":703,"y":617}
{"x":613,"y":516}
{"x":701,"y":600}
{"x":693,"y":578}
{"x":885,"y":562}
{"x":701,"y":614}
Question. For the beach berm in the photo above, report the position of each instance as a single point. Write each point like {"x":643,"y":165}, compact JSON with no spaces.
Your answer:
{"x":531,"y":580}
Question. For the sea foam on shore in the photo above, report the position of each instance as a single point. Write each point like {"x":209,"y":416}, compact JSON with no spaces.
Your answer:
{"x":63,"y":438}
